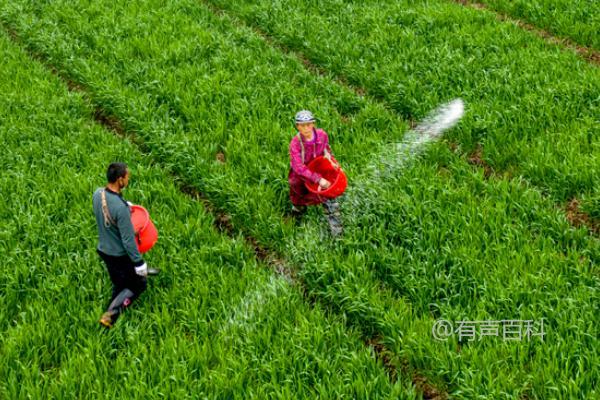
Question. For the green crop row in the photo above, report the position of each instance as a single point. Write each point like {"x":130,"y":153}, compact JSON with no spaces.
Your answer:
{"x":214,"y":324}
{"x":437,"y":241}
{"x":577,"y":20}
{"x":533,"y":106}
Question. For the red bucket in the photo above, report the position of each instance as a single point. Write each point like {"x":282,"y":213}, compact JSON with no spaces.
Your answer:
{"x":145,"y":231}
{"x":330,"y":171}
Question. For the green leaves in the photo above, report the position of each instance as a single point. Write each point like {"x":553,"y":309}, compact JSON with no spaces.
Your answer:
{"x":444,"y":239}
{"x":177,"y":339}
{"x":576,"y":20}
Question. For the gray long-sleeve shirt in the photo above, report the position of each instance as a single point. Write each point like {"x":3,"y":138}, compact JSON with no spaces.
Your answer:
{"x":115,"y":239}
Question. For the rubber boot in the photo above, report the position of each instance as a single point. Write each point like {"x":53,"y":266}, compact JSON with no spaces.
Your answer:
{"x":297,"y":212}
{"x":116,"y":307}
{"x":334,"y":219}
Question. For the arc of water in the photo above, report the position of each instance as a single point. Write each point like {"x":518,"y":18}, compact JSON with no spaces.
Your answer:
{"x":395,"y":158}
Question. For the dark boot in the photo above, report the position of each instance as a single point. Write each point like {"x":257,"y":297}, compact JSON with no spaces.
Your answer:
{"x":116,"y":307}
{"x":297,"y":212}
{"x":334,"y":219}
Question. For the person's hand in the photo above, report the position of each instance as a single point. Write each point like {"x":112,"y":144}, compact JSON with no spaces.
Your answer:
{"x":324,"y":183}
{"x":142,"y":270}
{"x":129,"y":203}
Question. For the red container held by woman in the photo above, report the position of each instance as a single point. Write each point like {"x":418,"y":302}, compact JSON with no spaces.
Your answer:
{"x":332,"y":172}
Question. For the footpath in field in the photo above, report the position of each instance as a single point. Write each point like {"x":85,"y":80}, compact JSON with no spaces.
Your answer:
{"x":441,"y":240}
{"x":577,"y":20}
{"x":533,"y":106}
{"x":214,"y":324}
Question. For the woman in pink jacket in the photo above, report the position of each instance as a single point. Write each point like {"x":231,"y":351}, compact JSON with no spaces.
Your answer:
{"x":308,"y":144}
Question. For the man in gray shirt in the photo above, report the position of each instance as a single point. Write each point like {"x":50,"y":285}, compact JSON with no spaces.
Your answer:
{"x":116,"y":243}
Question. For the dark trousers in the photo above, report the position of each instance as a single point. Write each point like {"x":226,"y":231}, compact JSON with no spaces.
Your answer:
{"x":127,"y":285}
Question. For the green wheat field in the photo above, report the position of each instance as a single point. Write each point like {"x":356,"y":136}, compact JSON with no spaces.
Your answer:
{"x":495,"y":225}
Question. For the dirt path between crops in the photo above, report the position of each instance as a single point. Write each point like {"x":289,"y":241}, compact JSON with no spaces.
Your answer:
{"x":579,"y":218}
{"x":587,"y":53}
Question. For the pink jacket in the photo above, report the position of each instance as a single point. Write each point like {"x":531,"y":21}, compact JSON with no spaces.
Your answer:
{"x":311,"y":151}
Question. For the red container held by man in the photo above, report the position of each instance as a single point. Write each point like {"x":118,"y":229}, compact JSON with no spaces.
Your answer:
{"x":146,"y":234}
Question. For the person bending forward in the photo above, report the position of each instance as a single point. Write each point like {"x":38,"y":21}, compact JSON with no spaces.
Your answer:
{"x":308,"y":144}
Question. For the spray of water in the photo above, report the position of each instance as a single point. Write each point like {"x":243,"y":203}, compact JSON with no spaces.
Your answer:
{"x":397,"y":156}
{"x":253,"y":303}
{"x":394,"y":158}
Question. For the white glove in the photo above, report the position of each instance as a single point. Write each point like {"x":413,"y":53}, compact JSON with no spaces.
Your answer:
{"x":129,"y":203}
{"x":324,"y":183}
{"x":142,"y":270}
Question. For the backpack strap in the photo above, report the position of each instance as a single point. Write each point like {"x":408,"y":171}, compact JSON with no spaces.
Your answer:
{"x":108,"y":221}
{"x":301,"y":146}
